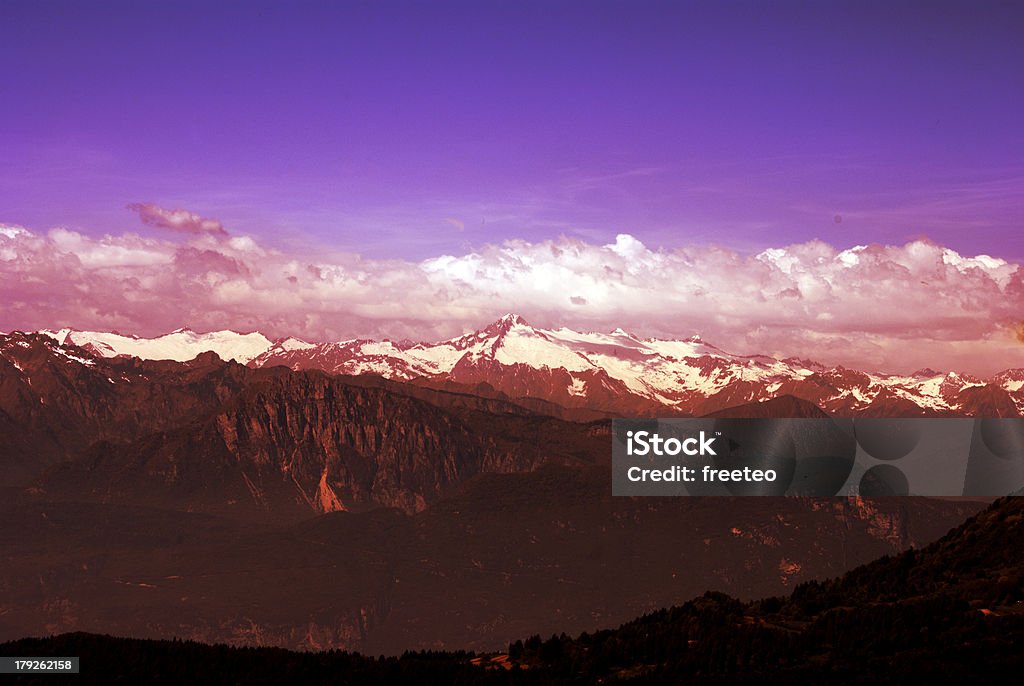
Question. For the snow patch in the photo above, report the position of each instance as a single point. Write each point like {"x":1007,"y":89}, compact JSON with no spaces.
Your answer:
{"x":578,"y":387}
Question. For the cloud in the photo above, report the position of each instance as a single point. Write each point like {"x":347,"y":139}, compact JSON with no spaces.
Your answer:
{"x":177,"y":220}
{"x":457,"y":223}
{"x":879,"y":307}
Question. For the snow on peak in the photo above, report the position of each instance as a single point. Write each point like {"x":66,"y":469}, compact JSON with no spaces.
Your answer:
{"x":59,"y":335}
{"x":180,"y":345}
{"x":289,"y":344}
{"x":513,"y":319}
{"x":506,"y":323}
{"x":672,"y":372}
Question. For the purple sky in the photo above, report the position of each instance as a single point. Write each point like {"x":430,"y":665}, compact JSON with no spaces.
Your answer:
{"x":411,"y":130}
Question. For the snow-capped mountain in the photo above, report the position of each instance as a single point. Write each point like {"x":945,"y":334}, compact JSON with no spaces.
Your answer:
{"x":615,"y":372}
{"x":619,"y":371}
{"x":181,"y":345}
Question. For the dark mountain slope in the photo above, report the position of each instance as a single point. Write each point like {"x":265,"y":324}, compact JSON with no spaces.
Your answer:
{"x":505,"y":556}
{"x":781,"y":406}
{"x":950,"y":613}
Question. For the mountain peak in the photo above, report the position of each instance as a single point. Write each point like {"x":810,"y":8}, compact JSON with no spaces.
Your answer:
{"x":59,"y":335}
{"x":512,"y":319}
{"x":505,"y":323}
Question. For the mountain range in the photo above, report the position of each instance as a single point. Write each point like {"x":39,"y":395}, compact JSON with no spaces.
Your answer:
{"x":264,"y":505}
{"x":614,"y":373}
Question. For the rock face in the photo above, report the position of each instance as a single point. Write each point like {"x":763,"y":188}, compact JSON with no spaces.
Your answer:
{"x":213,"y":436}
{"x":57,"y":401}
{"x":304,"y":443}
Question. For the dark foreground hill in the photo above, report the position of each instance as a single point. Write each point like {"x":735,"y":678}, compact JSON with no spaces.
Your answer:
{"x":952,"y":612}
{"x":507,"y":556}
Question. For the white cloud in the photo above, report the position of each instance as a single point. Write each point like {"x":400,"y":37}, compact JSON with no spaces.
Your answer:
{"x":890,"y":307}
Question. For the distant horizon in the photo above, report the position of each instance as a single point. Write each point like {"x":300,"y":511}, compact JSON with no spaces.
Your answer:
{"x":54,"y":332}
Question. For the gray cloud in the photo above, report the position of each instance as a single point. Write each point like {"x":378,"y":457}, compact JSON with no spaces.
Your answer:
{"x":177,"y":220}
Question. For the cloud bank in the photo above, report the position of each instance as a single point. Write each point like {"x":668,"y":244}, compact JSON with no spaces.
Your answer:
{"x":890,"y":308}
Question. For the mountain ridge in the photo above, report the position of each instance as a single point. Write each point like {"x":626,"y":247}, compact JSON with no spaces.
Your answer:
{"x":615,"y":373}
